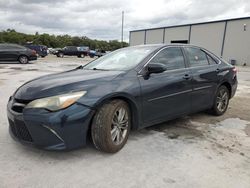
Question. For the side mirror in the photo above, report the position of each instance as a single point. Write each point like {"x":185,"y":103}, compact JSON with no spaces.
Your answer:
{"x":156,"y":68}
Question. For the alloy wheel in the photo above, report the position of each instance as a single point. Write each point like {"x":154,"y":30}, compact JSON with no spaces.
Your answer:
{"x":119,"y":127}
{"x":23,"y":60}
{"x":222,"y":100}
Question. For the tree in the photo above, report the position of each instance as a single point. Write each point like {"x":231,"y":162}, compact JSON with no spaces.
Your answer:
{"x":11,"y":36}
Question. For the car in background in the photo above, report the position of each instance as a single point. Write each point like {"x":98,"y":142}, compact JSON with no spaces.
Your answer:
{"x":54,"y":51}
{"x":14,"y":52}
{"x":71,"y":51}
{"x":98,"y":53}
{"x":128,"y":89}
{"x":92,"y":53}
{"x":41,"y":50}
{"x":83,"y":48}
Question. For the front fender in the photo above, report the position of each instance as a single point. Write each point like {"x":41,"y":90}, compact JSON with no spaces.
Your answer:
{"x":127,"y":89}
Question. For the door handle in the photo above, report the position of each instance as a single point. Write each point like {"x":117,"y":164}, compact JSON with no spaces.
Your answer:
{"x":186,"y":77}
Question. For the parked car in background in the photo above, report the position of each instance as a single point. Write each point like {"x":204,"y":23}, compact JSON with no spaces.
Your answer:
{"x":14,"y":52}
{"x":130,"y":88}
{"x":71,"y":51}
{"x":41,"y":50}
{"x":54,"y":51}
{"x":98,"y":53}
{"x":83,"y":49}
{"x":92,"y":53}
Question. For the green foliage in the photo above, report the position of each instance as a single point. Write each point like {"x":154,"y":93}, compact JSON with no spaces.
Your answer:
{"x":59,"y":41}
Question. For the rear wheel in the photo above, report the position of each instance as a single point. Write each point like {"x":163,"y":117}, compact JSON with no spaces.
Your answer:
{"x":111,"y":125}
{"x":221,"y":101}
{"x":60,"y":55}
{"x":23,"y":59}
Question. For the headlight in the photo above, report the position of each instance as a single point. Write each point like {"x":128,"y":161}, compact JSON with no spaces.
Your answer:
{"x":56,"y":102}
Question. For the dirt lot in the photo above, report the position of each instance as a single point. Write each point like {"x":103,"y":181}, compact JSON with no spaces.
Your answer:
{"x":193,"y":151}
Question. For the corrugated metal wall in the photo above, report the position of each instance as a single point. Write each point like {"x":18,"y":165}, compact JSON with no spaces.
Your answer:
{"x":237,"y":41}
{"x":229,"y":38}
{"x":209,"y":36}
{"x":176,"y":33}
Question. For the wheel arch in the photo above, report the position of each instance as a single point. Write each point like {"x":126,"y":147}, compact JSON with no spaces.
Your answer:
{"x":228,"y":86}
{"x":23,"y":55}
{"x":134,"y":109}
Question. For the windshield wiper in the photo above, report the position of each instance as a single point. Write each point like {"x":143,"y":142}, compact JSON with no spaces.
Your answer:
{"x":79,"y":67}
{"x":99,"y":69}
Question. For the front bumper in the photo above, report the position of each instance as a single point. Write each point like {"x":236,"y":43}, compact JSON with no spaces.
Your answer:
{"x":62,"y":130}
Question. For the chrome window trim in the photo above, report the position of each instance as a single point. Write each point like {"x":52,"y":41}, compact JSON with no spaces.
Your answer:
{"x":158,"y":53}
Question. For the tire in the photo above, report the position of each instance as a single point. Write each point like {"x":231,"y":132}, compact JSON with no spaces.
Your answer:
{"x":113,"y":118}
{"x":60,"y":55}
{"x":23,"y":59}
{"x":81,"y":55}
{"x":221,"y":101}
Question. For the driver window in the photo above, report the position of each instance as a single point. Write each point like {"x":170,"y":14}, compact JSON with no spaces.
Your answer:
{"x":171,"y":57}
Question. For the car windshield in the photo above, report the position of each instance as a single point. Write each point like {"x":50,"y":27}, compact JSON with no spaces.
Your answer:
{"x":123,"y":59}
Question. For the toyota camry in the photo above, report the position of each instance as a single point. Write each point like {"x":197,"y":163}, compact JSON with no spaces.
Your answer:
{"x":128,"y":89}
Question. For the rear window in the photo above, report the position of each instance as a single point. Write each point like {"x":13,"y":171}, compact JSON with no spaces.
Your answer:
{"x":196,"y":57}
{"x":211,"y":60}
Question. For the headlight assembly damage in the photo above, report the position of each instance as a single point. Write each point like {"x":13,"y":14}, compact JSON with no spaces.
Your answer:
{"x":56,"y":102}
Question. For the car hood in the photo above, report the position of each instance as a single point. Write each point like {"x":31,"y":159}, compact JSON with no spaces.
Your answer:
{"x":60,"y":83}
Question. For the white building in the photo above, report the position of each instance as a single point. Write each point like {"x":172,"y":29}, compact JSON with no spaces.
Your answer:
{"x":229,"y":38}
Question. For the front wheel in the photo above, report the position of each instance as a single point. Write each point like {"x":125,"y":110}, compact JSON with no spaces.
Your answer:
{"x":23,"y":59}
{"x":221,"y":101}
{"x":111,"y":125}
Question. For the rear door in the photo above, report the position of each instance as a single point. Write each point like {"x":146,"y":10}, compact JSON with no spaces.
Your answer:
{"x":8,"y":52}
{"x":1,"y":52}
{"x":205,"y":77}
{"x":72,"y":50}
{"x":168,"y":94}
{"x":67,"y":51}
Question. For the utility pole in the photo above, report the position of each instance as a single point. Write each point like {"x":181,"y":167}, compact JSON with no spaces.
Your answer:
{"x":122,"y":28}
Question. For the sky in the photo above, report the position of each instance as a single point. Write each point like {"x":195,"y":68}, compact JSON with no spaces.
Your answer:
{"x":101,"y":19}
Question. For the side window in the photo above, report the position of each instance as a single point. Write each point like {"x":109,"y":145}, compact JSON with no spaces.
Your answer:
{"x":171,"y":57}
{"x":196,"y":57}
{"x":9,"y":47}
{"x":211,"y":60}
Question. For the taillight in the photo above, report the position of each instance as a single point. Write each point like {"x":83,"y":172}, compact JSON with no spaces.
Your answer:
{"x":234,"y":70}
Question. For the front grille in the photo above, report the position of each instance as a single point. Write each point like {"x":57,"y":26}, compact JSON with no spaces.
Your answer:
{"x":20,"y":130}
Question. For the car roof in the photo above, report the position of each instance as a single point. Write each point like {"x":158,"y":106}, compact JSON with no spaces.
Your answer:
{"x":11,"y":44}
{"x":166,"y":45}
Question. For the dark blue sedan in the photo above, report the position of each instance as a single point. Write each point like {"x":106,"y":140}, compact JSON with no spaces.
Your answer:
{"x":127,"y":89}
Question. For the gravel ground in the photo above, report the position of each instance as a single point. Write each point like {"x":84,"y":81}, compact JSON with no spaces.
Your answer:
{"x":199,"y":150}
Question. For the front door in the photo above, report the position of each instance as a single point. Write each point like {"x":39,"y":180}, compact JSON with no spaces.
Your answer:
{"x":168,"y":94}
